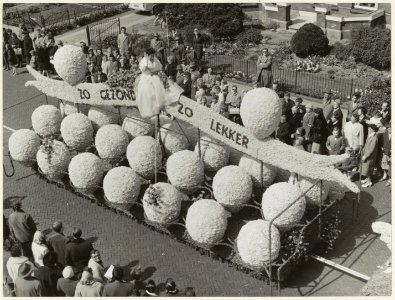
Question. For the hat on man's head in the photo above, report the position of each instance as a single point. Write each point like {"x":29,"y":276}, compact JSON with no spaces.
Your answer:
{"x":26,"y":269}
{"x":68,"y":272}
{"x":156,"y":34}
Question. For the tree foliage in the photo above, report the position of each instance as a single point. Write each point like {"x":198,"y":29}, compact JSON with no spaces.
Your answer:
{"x":378,"y":92}
{"x":309,"y":40}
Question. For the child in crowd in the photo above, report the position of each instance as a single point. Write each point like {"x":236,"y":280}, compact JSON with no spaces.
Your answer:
{"x":218,"y":103}
{"x":201,"y":93}
{"x":298,"y":138}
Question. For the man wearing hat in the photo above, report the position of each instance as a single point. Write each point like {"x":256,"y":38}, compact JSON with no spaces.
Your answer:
{"x":307,"y":124}
{"x":159,"y":46}
{"x":26,"y":285}
{"x":22,"y":227}
{"x":66,"y":285}
{"x":327,"y":107}
{"x":178,"y":50}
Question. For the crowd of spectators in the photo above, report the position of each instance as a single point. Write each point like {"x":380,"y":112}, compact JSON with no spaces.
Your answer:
{"x":59,"y":265}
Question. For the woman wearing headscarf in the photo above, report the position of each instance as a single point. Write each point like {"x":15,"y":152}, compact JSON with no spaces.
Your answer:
{"x":39,"y":248}
{"x":87,"y":286}
{"x":318,"y":133}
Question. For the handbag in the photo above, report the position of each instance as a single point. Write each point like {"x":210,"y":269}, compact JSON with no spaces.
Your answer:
{"x":18,"y":51}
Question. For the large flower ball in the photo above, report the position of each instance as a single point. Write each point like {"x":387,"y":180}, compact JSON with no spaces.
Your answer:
{"x":46,"y":120}
{"x":162,"y":203}
{"x":23,"y":145}
{"x":262,"y":174}
{"x":232,"y":187}
{"x":111,"y":142}
{"x":70,"y":63}
{"x":54,"y":160}
{"x":144,"y":156}
{"x":135,"y":125}
{"x":172,"y":140}
{"x":186,"y":129}
{"x":313,"y":194}
{"x":77,"y":131}
{"x":101,"y":116}
{"x":185,"y":171}
{"x":206,"y":221}
{"x":214,"y":154}
{"x":277,"y":198}
{"x":260,"y":111}
{"x":121,"y":186}
{"x":86,"y":171}
{"x":253,"y":243}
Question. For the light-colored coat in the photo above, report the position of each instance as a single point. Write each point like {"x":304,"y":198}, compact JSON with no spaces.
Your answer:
{"x":123,"y":42}
{"x":353,"y":133}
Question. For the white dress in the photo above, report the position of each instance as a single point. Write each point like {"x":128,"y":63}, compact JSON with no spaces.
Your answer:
{"x":151,"y":95}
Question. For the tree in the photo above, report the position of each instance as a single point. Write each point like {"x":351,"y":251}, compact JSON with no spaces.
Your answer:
{"x":222,"y":20}
{"x":309,"y":40}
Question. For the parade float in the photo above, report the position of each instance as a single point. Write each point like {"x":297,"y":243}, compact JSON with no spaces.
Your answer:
{"x":219,"y":187}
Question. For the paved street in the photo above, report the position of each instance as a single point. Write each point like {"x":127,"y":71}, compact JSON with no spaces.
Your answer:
{"x":123,"y":241}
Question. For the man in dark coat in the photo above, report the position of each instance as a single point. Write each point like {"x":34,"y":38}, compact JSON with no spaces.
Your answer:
{"x":48,"y":274}
{"x":386,"y":111}
{"x":118,"y":288}
{"x":197,"y":44}
{"x":264,"y":67}
{"x":22,"y":228}
{"x":282,"y":132}
{"x":78,"y":252}
{"x":295,"y":120}
{"x":56,"y":242}
{"x":178,"y":50}
{"x":353,"y":105}
{"x":27,"y":46}
{"x":159,"y":46}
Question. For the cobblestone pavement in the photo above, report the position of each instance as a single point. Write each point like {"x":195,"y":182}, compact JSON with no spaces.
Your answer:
{"x":126,"y":242}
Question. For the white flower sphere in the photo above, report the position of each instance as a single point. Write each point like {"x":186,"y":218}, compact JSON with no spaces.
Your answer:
{"x":162,"y":203}
{"x":206,"y":221}
{"x":172,"y":140}
{"x":54,"y":164}
{"x":313,"y":195}
{"x":46,"y":120}
{"x":77,"y":131}
{"x":135,"y":125}
{"x":253,"y":243}
{"x":101,"y":116}
{"x":111,"y":142}
{"x":232,"y":187}
{"x":183,"y":128}
{"x":262,"y":174}
{"x":276,"y":198}
{"x":23,"y":145}
{"x":185,"y":171}
{"x":86,"y":171}
{"x":68,"y":108}
{"x":213,"y":153}
{"x":121,"y":186}
{"x":141,"y":156}
{"x":260,"y":111}
{"x":70,"y":63}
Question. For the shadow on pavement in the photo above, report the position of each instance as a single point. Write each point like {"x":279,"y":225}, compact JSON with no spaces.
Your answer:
{"x":147,"y":273}
{"x":128,"y":268}
{"x":7,"y":202}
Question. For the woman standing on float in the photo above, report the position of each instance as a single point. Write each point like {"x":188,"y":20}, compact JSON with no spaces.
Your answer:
{"x":151,"y":94}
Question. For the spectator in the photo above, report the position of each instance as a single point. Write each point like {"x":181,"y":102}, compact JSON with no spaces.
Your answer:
{"x":353,"y":105}
{"x":124,"y":63}
{"x":369,"y":154}
{"x":138,"y":285}
{"x":5,"y":56}
{"x":190,"y":54}
{"x":386,"y":157}
{"x":56,"y":242}
{"x":118,"y":288}
{"x":233,"y":102}
{"x":33,"y":60}
{"x":289,"y":104}
{"x":105,"y":65}
{"x":295,"y":120}
{"x":376,"y":119}
{"x":318,"y":132}
{"x":209,"y":78}
{"x":335,"y":144}
{"x":22,"y":228}
{"x":298,"y":138}
{"x":15,"y":261}
{"x":198,"y":46}
{"x":386,"y":111}
{"x":307,"y":123}
{"x":353,"y":133}
{"x":194,"y":87}
{"x":36,"y":35}
{"x":26,"y":285}
{"x":362,"y":120}
{"x":299,"y":106}
{"x":78,"y":252}
{"x":90,"y":73}
{"x":171,"y":67}
{"x":282,"y":132}
{"x":189,"y":292}
{"x":39,"y":248}
{"x":185,"y":66}
{"x":87,"y":287}
{"x":96,"y":265}
{"x":275,"y":87}
{"x":51,"y":48}
{"x":17,"y":45}
{"x":124,"y":42}
{"x":178,"y":50}
{"x":11,"y":58}
{"x":6,"y":234}
{"x":99,"y":76}
{"x":337,"y":111}
{"x":112,"y":66}
{"x":218,"y":103}
{"x":133,"y":60}
{"x":150,"y":289}
{"x":264,"y":65}
{"x":99,"y":57}
{"x":91,"y":58}
{"x":186,"y":85}
{"x":159,"y":46}
{"x":327,"y":102}
{"x":224,"y":87}
{"x":84,"y":47}
{"x":201,"y":93}
{"x":180,"y":75}
{"x":27,"y":46}
{"x":66,"y":286}
{"x":48,"y":274}
{"x":334,"y":122}
{"x":171,"y":289}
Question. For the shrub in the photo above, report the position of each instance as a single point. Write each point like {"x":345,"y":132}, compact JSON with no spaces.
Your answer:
{"x":187,"y":34}
{"x":283,"y":53}
{"x":341,"y":51}
{"x":270,"y":25}
{"x":251,"y":35}
{"x":372,"y":46}
{"x":379,"y":91}
{"x":309,"y":40}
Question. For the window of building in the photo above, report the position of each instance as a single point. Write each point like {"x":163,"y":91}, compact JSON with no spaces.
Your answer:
{"x":367,"y":6}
